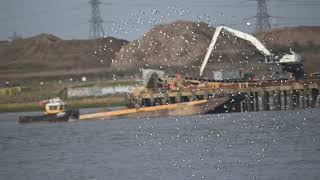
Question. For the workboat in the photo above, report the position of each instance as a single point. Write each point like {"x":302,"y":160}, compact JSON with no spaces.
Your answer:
{"x":54,"y":111}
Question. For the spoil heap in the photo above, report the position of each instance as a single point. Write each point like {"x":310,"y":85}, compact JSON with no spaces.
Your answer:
{"x":181,"y":46}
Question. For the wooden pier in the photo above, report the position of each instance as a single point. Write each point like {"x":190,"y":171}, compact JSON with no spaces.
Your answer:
{"x":247,"y":96}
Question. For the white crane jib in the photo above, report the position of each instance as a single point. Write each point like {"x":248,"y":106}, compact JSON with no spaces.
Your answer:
{"x":238,"y":34}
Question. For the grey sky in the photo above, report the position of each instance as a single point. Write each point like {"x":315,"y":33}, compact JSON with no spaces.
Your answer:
{"x":125,"y":19}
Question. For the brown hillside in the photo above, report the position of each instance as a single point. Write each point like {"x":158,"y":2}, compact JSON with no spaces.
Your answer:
{"x":291,"y":36}
{"x":48,"y":55}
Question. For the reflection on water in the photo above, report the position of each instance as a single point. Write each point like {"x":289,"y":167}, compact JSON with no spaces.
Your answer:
{"x":264,"y":145}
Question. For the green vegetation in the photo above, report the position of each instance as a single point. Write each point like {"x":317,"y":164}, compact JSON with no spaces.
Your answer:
{"x":71,"y":104}
{"x":10,"y":91}
{"x":74,"y":103}
{"x":15,"y":107}
{"x":96,"y":102}
{"x":108,"y":83}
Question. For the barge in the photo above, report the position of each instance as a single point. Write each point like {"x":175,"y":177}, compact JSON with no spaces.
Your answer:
{"x":166,"y":110}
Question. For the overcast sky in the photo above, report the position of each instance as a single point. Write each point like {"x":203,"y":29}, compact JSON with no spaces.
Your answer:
{"x":126,"y":19}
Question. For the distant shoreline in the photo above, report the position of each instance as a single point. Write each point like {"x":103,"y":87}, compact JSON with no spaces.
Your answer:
{"x":71,"y":104}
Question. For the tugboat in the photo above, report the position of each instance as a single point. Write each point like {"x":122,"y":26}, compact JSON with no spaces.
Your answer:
{"x":54,"y":111}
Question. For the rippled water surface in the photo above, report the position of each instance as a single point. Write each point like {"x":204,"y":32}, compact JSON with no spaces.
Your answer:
{"x":264,"y":145}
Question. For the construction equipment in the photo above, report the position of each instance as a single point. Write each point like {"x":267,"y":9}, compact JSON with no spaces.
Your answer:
{"x":289,"y":61}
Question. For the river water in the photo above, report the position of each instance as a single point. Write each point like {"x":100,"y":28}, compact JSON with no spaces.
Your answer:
{"x":262,"y":145}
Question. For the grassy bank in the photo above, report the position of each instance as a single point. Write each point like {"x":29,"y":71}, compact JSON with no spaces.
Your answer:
{"x":19,"y":107}
{"x":27,"y":99}
{"x":71,"y":104}
{"x":96,"y":102}
{"x":33,"y":91}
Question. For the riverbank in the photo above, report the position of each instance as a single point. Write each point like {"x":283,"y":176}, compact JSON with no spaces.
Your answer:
{"x":71,"y":103}
{"x":29,"y":95}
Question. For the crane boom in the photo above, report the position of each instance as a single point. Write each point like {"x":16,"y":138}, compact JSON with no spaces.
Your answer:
{"x":238,"y":34}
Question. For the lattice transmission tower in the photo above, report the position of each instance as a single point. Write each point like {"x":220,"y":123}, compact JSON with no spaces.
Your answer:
{"x":96,"y":22}
{"x":263,"y":22}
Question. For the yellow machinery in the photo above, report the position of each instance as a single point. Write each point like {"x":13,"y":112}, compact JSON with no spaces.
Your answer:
{"x":53,"y":106}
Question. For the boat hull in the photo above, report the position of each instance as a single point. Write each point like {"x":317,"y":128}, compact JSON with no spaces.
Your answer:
{"x":70,"y":115}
